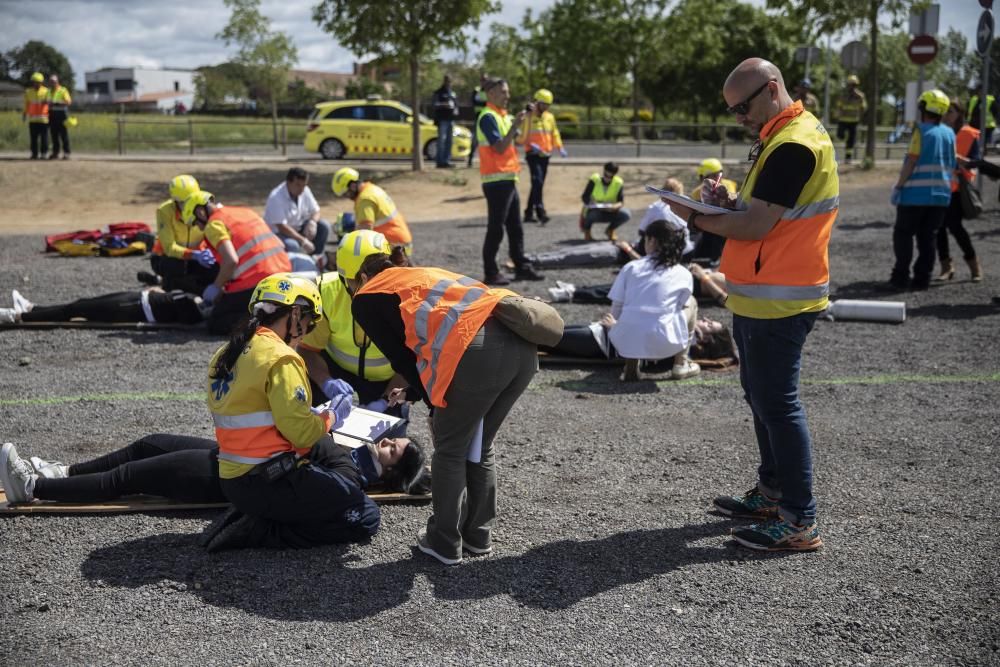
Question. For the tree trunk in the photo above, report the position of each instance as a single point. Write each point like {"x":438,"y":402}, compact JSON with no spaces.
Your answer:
{"x":635,"y":98}
{"x":873,"y":76}
{"x":418,"y":154}
{"x":274,"y":119}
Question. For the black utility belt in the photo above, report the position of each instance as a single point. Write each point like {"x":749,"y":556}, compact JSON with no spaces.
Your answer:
{"x":276,"y":467}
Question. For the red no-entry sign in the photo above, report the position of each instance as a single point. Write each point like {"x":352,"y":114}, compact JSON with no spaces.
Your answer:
{"x":922,"y":49}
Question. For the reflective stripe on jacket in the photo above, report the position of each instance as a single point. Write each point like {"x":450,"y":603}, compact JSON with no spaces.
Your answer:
{"x":787,"y":272}
{"x":541,"y":132}
{"x":36,"y":104}
{"x":245,"y":418}
{"x":388,"y":220}
{"x":60,"y":99}
{"x":602,"y":194}
{"x":964,"y":140}
{"x":495,"y":166}
{"x":930,"y":182}
{"x":442,"y":312}
{"x":259,"y":250}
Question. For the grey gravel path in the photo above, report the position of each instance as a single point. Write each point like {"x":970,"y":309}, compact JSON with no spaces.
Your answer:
{"x":605,"y":553}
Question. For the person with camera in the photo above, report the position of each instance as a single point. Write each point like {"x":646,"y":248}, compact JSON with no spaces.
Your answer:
{"x":498,"y":168}
{"x":540,"y":137}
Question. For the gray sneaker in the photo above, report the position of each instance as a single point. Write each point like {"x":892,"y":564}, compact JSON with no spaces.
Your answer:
{"x":53,"y":470}
{"x":8,"y":315}
{"x":17,"y":476}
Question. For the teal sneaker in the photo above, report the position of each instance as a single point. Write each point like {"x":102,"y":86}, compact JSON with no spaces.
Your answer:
{"x":779,"y":535}
{"x":751,"y":505}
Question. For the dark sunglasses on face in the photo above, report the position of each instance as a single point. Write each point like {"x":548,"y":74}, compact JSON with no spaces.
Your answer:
{"x":743,"y":107}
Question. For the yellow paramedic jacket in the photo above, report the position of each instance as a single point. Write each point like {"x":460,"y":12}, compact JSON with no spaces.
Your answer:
{"x":176,"y":239}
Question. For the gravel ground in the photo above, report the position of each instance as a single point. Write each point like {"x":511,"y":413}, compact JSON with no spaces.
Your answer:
{"x":604,"y":550}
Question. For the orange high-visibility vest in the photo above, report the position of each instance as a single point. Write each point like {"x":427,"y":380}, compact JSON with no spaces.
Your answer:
{"x":495,"y":166}
{"x":787,"y":272}
{"x":964,"y":139}
{"x":442,"y":312}
{"x":259,"y":250}
{"x":541,"y":132}
{"x":388,"y":220}
{"x":36,"y":104}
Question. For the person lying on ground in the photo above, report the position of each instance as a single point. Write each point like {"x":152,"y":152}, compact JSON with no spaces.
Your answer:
{"x":186,"y":469}
{"x":708,"y":285}
{"x":151,"y":305}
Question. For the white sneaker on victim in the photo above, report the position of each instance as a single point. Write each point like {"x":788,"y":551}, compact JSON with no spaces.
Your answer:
{"x":21,"y":305}
{"x":17,"y":475}
{"x":8,"y":315}
{"x":53,"y":470}
{"x":559,"y":295}
{"x":687,"y":370}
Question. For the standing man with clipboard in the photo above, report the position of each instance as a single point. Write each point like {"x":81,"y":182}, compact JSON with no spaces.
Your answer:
{"x":777,"y":274}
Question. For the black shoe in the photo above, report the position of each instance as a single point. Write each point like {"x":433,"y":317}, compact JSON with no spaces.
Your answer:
{"x":543,"y":217}
{"x":237,"y":535}
{"x":221,"y":522}
{"x":527,"y":273}
{"x":529,"y":216}
{"x":147,"y":278}
{"x":497,"y":280}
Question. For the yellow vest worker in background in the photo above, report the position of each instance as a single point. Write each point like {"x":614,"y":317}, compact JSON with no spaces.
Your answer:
{"x":540,"y":137}
{"x":777,"y":275}
{"x":59,"y":101}
{"x":604,"y":201}
{"x":803,"y":93}
{"x":180,"y":257}
{"x":991,"y":116}
{"x":710,"y":245}
{"x":498,"y":169}
{"x":373,"y":207}
{"x":36,"y":112}
{"x":246,"y":250}
{"x":848,"y":111}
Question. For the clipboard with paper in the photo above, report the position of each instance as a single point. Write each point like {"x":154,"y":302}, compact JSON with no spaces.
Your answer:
{"x":364,"y":426}
{"x":693,"y":204}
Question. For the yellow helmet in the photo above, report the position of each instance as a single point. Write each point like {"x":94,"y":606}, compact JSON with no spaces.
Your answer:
{"x":355,"y":247}
{"x":544,"y":95}
{"x":344,"y":177}
{"x":709,"y":166}
{"x":852,"y":80}
{"x":284,"y":289}
{"x":199,"y":198}
{"x":37,"y":78}
{"x":182,"y":187}
{"x":935,"y":102}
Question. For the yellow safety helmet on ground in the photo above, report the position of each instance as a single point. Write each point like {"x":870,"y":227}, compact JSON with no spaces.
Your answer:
{"x":284,"y":289}
{"x":344,"y":177}
{"x":182,"y":187}
{"x":37,"y":78}
{"x":544,"y":95}
{"x":709,"y":166}
{"x":199,"y":198}
{"x":355,"y":247}
{"x":934,"y":101}
{"x":852,"y":79}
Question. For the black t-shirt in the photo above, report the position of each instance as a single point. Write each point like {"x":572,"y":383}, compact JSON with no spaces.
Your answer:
{"x":378,"y":314}
{"x":175,"y":306}
{"x":785,"y":173}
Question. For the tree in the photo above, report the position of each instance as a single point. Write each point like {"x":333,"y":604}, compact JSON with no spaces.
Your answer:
{"x":361,"y":87}
{"x":266,"y":55}
{"x":18,"y":64}
{"x":215,"y":84}
{"x":835,"y":15}
{"x":637,"y":29}
{"x":410,"y":32}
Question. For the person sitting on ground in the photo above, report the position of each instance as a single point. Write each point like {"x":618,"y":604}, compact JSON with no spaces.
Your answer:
{"x":653,"y":310}
{"x":604,"y":201}
{"x":246,"y":250}
{"x":658,"y":210}
{"x":151,"y":305}
{"x":180,"y":257}
{"x":293,"y":213}
{"x":709,"y":285}
{"x":186,"y":469}
{"x":373,"y":208}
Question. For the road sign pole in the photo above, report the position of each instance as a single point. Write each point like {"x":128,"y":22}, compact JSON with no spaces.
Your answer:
{"x":826,"y":85}
{"x":808,"y":53}
{"x":982,"y":115}
{"x":920,"y":81}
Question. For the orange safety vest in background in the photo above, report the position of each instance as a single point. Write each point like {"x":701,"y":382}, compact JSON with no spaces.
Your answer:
{"x":442,"y":312}
{"x":36,"y":104}
{"x":541,"y":132}
{"x":964,"y":139}
{"x":260,"y":252}
{"x":494,"y":166}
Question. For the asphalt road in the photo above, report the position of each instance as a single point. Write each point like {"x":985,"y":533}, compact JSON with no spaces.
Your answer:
{"x":605,"y":553}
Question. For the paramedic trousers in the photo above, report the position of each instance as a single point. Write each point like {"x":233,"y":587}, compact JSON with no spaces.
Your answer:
{"x":183,"y":274}
{"x":38,"y":134}
{"x":491,"y":375}
{"x":173,"y":466}
{"x":770,"y":359}
{"x":538,"y":167}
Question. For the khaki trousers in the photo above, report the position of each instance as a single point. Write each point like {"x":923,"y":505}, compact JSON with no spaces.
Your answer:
{"x":494,"y":371}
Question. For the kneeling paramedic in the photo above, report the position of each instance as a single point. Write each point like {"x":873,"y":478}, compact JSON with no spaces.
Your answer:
{"x":180,"y":258}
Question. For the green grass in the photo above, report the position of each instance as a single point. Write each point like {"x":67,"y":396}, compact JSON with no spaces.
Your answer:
{"x":98,"y":132}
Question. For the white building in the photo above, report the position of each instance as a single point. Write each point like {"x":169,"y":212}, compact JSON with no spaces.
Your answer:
{"x":151,"y":89}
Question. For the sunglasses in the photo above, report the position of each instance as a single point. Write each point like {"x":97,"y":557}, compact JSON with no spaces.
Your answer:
{"x":743,"y":107}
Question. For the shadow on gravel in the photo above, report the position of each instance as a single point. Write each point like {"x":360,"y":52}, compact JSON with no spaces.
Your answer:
{"x":607,"y":382}
{"x":323,"y":585}
{"x":866,"y":288}
{"x":163,"y":337}
{"x":246,"y":187}
{"x":958,"y":311}
{"x":875,"y":224}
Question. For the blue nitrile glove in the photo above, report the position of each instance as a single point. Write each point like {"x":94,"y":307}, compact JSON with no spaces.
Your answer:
{"x":210,"y":294}
{"x":897,"y":193}
{"x":340,"y":408}
{"x":334,"y":388}
{"x":562,"y":152}
{"x":204,"y":257}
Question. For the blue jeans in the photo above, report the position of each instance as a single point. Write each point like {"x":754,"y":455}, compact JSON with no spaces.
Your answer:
{"x":443,"y":158}
{"x":323,"y":230}
{"x":770,"y":359}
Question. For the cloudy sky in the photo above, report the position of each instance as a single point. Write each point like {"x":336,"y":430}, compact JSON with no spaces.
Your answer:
{"x":181,"y":33}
